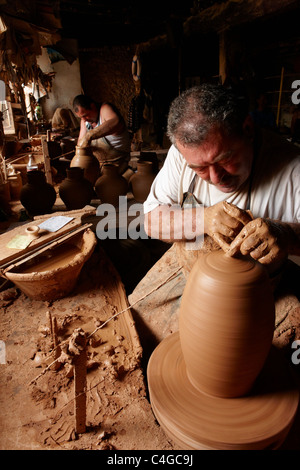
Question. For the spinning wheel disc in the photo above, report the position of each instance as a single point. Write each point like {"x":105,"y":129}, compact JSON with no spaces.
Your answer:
{"x":197,"y":421}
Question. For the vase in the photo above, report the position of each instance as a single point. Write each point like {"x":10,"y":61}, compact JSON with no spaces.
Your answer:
{"x":5,"y":197}
{"x":141,"y":181}
{"x":15,"y":185}
{"x":226,"y":324}
{"x":111,"y":185}
{"x":76,"y":191}
{"x":37,"y":196}
{"x":85,"y":159}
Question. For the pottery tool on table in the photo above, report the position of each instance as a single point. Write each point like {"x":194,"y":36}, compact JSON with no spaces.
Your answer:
{"x":25,"y":239}
{"x":45,"y":263}
{"x":46,"y":246}
{"x":52,"y":270}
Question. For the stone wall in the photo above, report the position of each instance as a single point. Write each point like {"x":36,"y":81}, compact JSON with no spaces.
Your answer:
{"x":106,"y":75}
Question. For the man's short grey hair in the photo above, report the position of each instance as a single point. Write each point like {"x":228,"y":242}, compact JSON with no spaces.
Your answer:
{"x":197,"y":110}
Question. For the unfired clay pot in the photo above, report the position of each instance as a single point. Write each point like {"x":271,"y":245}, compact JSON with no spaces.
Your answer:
{"x":5,"y":197}
{"x":111,"y":185}
{"x":37,"y":196}
{"x":226,"y":324}
{"x":15,"y":185}
{"x":75,"y":190}
{"x":85,"y":159}
{"x":142,"y":180}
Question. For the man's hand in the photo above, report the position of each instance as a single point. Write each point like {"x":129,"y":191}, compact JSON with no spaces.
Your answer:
{"x":264,"y":240}
{"x":223,"y":222}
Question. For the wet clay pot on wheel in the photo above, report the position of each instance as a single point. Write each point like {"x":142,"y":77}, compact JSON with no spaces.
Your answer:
{"x":111,"y":185}
{"x":85,"y":159}
{"x":217,"y":383}
{"x":76,"y":191}
{"x":37,"y":196}
{"x":141,"y":181}
{"x":226,"y":324}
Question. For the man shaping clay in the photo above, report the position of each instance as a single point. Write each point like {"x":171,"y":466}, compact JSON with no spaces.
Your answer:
{"x":218,"y":152}
{"x":103,"y":128}
{"x":240,"y":182}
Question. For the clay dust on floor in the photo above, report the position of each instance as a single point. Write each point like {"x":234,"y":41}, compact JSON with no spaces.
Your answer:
{"x":37,"y":402}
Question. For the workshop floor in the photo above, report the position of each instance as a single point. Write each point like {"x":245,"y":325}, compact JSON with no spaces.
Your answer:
{"x":37,"y":408}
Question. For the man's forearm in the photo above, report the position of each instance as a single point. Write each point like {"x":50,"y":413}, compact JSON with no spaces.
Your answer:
{"x":172,"y":223}
{"x":106,"y":128}
{"x":83,"y":130}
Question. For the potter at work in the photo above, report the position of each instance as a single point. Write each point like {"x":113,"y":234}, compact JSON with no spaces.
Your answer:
{"x":102,"y":127}
{"x":220,"y":157}
{"x":223,"y":351}
{"x":241,"y":182}
{"x":223,"y":171}
{"x":149,"y":220}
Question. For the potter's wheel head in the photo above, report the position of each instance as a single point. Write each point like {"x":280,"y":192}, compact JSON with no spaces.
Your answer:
{"x":197,"y":421}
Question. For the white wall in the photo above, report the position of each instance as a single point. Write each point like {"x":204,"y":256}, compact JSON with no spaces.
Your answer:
{"x":66,"y":83}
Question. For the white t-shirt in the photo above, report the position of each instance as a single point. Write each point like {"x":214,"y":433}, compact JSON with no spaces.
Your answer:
{"x":120,"y":142}
{"x":275,"y":189}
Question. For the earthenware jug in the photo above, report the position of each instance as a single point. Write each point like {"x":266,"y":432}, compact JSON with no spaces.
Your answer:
{"x":85,"y":159}
{"x":141,"y":181}
{"x":5,"y":197}
{"x":15,"y":185}
{"x":75,"y":190}
{"x":226,"y":323}
{"x":111,"y":185}
{"x":37,"y":196}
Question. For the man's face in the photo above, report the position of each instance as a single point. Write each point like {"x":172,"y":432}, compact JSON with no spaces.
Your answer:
{"x":222,"y":161}
{"x":88,"y":115}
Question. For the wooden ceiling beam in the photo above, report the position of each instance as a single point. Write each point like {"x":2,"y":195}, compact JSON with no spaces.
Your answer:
{"x":222,"y":16}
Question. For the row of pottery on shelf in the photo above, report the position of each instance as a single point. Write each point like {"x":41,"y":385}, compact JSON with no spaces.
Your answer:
{"x":38,"y":196}
{"x":108,"y":184}
{"x":83,"y":183}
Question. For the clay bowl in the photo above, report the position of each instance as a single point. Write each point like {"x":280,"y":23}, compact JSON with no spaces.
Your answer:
{"x":226,"y":323}
{"x":54,"y":273}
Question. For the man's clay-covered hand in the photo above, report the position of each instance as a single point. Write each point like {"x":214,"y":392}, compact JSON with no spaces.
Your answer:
{"x":223,"y":222}
{"x":264,"y":240}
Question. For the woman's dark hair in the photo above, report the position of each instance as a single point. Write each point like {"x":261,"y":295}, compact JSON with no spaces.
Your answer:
{"x":198,"y":109}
